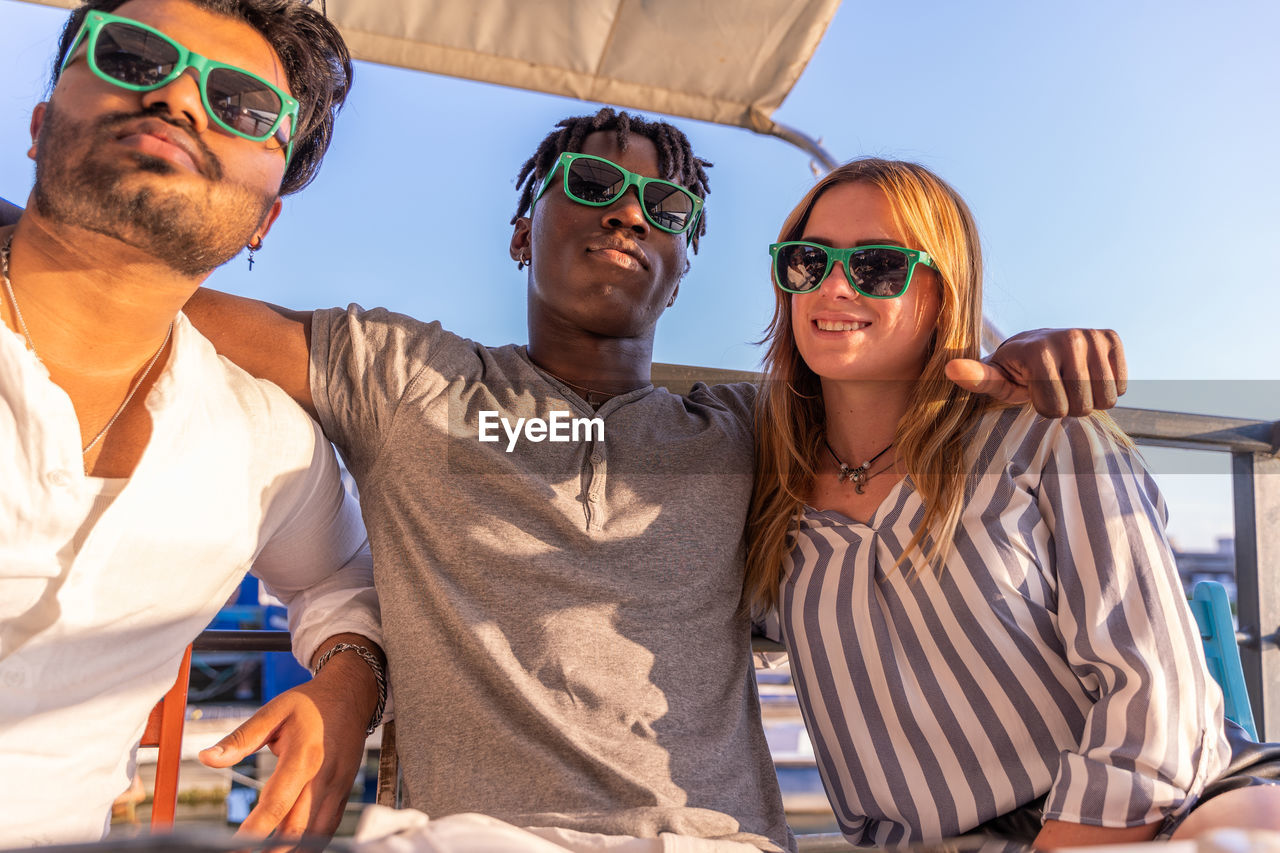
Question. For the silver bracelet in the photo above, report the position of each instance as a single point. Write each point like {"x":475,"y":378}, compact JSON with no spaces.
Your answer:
{"x":372,"y":660}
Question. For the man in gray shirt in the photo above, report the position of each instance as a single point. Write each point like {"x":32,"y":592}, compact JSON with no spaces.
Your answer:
{"x":557,"y":543}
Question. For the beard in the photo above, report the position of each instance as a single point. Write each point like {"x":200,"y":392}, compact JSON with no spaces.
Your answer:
{"x":191,"y":232}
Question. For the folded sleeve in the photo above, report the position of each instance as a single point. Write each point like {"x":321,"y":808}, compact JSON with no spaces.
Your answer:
{"x":1153,"y":737}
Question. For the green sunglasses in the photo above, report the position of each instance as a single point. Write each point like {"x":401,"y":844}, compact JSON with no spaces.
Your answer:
{"x":879,"y":272}
{"x":140,"y":58}
{"x":598,"y":182}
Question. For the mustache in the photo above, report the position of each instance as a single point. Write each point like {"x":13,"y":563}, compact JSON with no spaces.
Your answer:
{"x":209,"y":165}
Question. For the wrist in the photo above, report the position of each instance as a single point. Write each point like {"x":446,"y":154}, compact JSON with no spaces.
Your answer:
{"x":356,"y":665}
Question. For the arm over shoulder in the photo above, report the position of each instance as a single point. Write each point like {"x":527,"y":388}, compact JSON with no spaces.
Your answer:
{"x":268,"y":341}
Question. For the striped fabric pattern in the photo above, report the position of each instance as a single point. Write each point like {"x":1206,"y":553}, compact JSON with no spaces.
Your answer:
{"x":1054,"y":654}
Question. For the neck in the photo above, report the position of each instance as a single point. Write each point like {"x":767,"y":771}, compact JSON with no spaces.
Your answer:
{"x":863,"y":416}
{"x":610,"y":366}
{"x":94,"y":308}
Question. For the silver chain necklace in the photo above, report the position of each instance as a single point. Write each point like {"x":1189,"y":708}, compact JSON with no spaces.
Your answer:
{"x":22,"y":324}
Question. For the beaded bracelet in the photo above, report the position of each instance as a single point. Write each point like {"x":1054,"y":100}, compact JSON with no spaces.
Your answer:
{"x":372,"y":660}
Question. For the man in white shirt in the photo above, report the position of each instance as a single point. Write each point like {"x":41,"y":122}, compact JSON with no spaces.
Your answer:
{"x":143,"y":474}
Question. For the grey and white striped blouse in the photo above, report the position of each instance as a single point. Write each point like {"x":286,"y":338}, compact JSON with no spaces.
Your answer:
{"x":1055,"y":653}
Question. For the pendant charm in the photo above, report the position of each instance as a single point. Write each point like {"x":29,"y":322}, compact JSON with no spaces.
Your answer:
{"x":857,"y":476}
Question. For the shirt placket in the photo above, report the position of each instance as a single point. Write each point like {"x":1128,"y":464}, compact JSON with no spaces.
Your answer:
{"x":595,"y":467}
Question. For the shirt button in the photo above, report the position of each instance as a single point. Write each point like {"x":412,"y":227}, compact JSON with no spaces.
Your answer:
{"x":59,"y":478}
{"x":597,"y":458}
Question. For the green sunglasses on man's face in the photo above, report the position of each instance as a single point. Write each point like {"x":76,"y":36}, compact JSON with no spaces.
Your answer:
{"x":140,"y":58}
{"x":597,"y":182}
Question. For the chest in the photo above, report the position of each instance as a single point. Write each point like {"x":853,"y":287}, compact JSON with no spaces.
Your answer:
{"x":829,"y":493}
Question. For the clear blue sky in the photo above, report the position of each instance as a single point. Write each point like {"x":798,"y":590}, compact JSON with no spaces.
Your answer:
{"x":1121,"y":159}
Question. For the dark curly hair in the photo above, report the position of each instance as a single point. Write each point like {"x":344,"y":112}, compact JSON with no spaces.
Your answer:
{"x":315,"y":59}
{"x":676,"y":160}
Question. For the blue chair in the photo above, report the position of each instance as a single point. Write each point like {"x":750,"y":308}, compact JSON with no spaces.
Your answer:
{"x":1213,"y":614}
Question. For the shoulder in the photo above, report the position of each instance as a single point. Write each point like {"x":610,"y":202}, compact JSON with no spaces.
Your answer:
{"x":282,"y":427}
{"x":229,"y":397}
{"x":378,"y":326}
{"x":1019,"y":439}
{"x":737,"y":398}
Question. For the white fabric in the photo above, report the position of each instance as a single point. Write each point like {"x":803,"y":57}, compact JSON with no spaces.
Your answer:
{"x":235,"y":475}
{"x":99,"y":492}
{"x":384,"y":830}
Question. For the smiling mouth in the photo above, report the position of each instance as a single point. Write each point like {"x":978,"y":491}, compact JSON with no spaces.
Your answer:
{"x":839,"y":325}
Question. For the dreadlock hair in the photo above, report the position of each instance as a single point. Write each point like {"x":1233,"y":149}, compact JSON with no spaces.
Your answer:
{"x":676,"y":160}
{"x":311,"y":50}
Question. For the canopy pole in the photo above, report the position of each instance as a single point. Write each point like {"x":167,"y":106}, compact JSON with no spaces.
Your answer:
{"x":805,"y":143}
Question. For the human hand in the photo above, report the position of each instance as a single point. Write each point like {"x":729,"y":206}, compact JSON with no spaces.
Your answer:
{"x":317,"y":732}
{"x":1059,"y":371}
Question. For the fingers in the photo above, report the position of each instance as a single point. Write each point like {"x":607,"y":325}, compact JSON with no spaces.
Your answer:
{"x":328,"y":814}
{"x":314,"y":809}
{"x":982,"y":378}
{"x":1050,"y":394}
{"x":1060,"y":371}
{"x":248,"y":738}
{"x":1119,"y":367}
{"x":296,"y":821}
{"x":1092,"y":371}
{"x":282,"y":794}
{"x":1102,"y":380}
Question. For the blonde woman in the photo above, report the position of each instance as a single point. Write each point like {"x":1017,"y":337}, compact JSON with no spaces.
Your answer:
{"x":984,"y":620}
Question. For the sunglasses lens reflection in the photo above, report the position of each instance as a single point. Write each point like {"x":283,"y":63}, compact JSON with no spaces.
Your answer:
{"x":879,"y":272}
{"x":242,"y":102}
{"x":667,"y":206}
{"x":800,"y":268}
{"x":134,"y":56}
{"x":594,"y":181}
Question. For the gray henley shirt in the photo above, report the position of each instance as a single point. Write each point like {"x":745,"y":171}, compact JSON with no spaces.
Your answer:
{"x":561,"y":617}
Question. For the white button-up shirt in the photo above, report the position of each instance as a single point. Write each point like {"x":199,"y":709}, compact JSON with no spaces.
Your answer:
{"x":95,"y":611}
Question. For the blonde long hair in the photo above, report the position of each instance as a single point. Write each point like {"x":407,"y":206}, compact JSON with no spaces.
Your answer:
{"x":791,"y":419}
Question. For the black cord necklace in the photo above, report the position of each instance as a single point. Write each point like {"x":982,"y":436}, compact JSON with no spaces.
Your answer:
{"x":858,"y":476}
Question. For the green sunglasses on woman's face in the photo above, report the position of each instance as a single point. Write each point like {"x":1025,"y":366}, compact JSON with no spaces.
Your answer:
{"x":140,"y":58}
{"x":879,"y":272}
{"x":598,"y":182}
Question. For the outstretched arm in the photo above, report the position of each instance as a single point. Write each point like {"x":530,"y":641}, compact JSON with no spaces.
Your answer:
{"x":1059,"y":371}
{"x":268,"y":341}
